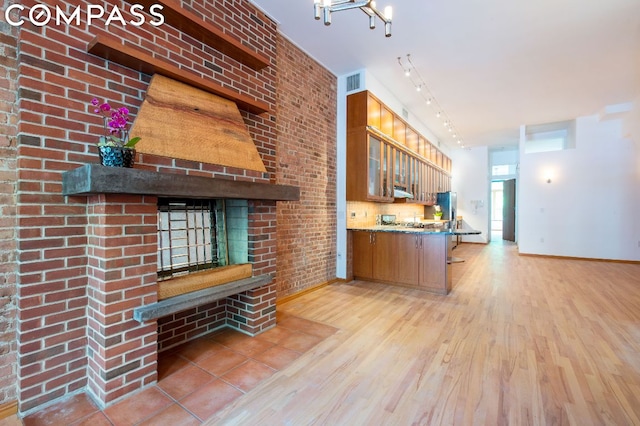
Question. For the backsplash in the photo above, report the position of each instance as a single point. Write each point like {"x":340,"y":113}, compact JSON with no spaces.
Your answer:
{"x":364,"y":214}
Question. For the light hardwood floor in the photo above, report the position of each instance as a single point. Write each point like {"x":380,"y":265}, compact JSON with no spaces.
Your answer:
{"x":520,"y":340}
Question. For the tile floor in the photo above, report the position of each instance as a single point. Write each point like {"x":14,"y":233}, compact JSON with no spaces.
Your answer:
{"x":197,"y":379}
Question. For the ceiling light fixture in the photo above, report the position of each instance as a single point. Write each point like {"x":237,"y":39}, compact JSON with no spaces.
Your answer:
{"x":324,"y":8}
{"x":416,"y":79}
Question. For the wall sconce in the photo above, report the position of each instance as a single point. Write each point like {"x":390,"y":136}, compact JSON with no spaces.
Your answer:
{"x":323,"y":8}
{"x":549,"y":175}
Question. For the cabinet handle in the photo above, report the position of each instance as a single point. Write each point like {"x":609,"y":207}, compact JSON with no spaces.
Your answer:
{"x":417,"y":238}
{"x":374,"y":237}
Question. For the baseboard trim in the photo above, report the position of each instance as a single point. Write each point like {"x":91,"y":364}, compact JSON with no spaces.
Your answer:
{"x":8,"y":409}
{"x":308,"y":290}
{"x":592,"y":259}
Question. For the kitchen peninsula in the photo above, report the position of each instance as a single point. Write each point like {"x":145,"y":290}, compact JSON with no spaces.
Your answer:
{"x":407,"y":256}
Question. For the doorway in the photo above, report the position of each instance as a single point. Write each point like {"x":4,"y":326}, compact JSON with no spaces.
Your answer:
{"x":497,"y":193}
{"x":503,"y":210}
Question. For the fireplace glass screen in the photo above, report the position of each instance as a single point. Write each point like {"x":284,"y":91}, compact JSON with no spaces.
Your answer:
{"x":191,"y":236}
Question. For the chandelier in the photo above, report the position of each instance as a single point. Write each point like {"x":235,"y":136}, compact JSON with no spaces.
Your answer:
{"x":325,"y":7}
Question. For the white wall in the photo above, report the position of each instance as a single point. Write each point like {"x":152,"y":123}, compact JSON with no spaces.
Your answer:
{"x":505,"y":156}
{"x":341,"y":180}
{"x":471,"y":181}
{"x":591,"y":207}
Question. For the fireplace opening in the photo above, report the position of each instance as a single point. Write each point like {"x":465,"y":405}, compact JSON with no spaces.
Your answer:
{"x":196,"y":235}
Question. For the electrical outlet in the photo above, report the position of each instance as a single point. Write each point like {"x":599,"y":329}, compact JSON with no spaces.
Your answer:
{"x":542,"y":240}
{"x":353,"y":215}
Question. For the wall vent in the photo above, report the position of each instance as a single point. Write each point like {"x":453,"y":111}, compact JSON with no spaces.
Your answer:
{"x":405,"y":114}
{"x":353,"y":82}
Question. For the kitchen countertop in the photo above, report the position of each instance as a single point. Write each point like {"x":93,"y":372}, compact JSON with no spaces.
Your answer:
{"x":409,"y":230}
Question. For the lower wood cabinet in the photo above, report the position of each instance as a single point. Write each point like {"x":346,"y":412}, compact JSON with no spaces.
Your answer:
{"x":435,"y":265}
{"x":362,"y":246}
{"x":407,"y":259}
{"x":373,"y":255}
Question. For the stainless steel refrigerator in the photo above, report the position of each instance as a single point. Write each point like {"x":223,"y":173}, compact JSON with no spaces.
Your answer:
{"x":447,"y":201}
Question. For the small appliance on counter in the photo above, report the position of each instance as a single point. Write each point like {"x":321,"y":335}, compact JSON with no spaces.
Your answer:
{"x":388,"y":219}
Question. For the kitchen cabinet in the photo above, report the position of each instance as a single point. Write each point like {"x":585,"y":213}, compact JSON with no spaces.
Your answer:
{"x":417,"y":260}
{"x":407,"y":259}
{"x":369,"y":168}
{"x":399,"y":131}
{"x":435,"y":267}
{"x":386,"y":120}
{"x":412,"y":141}
{"x":384,"y":254}
{"x":420,"y":178}
{"x":362,"y":262}
{"x":374,"y":255}
{"x":401,"y":168}
{"x":423,"y":262}
{"x":384,"y":152}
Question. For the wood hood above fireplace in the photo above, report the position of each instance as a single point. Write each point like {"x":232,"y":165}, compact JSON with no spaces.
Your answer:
{"x":180,"y":121}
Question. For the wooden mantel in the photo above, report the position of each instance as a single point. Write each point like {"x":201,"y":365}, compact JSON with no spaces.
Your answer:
{"x":97,"y":179}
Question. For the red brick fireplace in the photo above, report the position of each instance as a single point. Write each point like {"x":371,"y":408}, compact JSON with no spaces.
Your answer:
{"x":122,"y":277}
{"x":87,"y":261}
{"x":75,"y":267}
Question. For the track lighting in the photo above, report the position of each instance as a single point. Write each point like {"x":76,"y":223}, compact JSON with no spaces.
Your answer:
{"x":412,"y":73}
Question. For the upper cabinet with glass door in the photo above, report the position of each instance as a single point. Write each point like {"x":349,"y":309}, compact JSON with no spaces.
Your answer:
{"x":379,"y":170}
{"x":384,"y":152}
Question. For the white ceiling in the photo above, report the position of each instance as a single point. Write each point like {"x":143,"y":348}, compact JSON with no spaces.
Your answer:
{"x":492,"y":65}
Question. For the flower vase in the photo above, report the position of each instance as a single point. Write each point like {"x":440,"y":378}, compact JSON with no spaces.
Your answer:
{"x":128,"y":157}
{"x":115,"y":156}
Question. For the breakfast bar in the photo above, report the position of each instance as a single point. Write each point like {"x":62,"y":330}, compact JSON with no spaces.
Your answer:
{"x":408,"y":256}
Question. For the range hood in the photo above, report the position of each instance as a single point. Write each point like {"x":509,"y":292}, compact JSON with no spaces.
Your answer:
{"x":399,"y":193}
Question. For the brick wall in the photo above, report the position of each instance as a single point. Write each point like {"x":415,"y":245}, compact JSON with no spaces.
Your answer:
{"x":57,"y":131}
{"x":68,"y":272}
{"x":8,"y":228}
{"x":306,"y":102}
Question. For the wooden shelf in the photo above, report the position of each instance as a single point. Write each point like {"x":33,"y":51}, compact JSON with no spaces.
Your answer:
{"x":96,"y":179}
{"x":112,"y":49}
{"x":193,"y":25}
